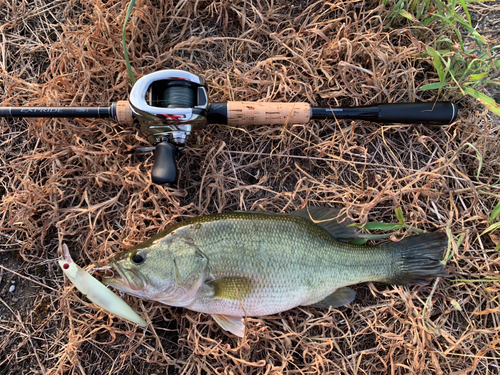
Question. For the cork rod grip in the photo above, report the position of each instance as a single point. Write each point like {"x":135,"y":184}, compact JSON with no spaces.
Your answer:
{"x":123,"y":112}
{"x":259,"y":113}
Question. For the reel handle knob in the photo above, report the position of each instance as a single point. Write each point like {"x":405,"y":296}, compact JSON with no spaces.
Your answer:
{"x":164,"y":168}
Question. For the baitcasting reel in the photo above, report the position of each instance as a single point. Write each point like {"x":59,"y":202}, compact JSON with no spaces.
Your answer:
{"x":171,"y":104}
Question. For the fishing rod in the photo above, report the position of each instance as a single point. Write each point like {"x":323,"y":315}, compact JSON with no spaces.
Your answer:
{"x":172,"y":104}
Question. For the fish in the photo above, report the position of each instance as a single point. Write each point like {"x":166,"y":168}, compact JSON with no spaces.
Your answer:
{"x":245,"y":264}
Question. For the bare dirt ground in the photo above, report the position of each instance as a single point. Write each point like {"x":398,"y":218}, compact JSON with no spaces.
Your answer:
{"x":81,"y":182}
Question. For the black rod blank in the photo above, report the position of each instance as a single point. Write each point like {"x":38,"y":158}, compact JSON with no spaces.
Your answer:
{"x":70,"y":112}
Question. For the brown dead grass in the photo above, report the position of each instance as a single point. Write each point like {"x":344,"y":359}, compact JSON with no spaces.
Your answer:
{"x":77,"y":181}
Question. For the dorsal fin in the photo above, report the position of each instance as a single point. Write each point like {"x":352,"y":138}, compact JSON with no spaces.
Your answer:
{"x":328,"y":218}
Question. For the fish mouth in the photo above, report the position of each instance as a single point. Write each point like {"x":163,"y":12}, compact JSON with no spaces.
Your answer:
{"x":128,"y":281}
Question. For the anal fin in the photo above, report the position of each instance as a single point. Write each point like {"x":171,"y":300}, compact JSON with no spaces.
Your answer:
{"x":233,"y":324}
{"x":341,"y":296}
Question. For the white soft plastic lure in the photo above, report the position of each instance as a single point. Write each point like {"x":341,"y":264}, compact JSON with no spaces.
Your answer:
{"x":96,"y":291}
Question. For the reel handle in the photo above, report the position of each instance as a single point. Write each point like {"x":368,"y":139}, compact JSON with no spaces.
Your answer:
{"x":164,"y":168}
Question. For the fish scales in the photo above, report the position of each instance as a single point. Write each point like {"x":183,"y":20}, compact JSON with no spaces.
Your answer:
{"x":256,"y":264}
{"x":289,"y":261}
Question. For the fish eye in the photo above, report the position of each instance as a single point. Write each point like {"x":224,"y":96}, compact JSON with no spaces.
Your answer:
{"x":138,"y":258}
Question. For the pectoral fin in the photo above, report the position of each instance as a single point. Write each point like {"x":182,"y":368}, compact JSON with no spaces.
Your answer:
{"x":233,"y":324}
{"x":233,"y":288}
{"x":341,"y":297}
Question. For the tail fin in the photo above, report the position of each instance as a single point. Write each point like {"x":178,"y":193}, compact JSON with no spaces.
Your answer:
{"x":417,"y":258}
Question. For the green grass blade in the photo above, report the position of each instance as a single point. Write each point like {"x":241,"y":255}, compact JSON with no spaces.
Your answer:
{"x":478,"y":154}
{"x":470,"y":29}
{"x":449,"y":249}
{"x":491,"y":228}
{"x":466,"y":10}
{"x":416,"y":230}
{"x":438,"y":65}
{"x":487,"y":101}
{"x":451,"y":24}
{"x":407,"y":15}
{"x":380,"y":226}
{"x":124,"y":41}
{"x":456,"y":305}
{"x":461,"y":238}
{"x":400,"y":216}
{"x":495,"y":213}
{"x":429,"y":20}
{"x":478,"y":77}
{"x":433,"y":86}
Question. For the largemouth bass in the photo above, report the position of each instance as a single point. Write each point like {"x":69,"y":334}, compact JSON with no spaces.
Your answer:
{"x":255,"y":264}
